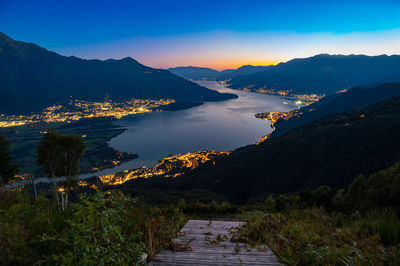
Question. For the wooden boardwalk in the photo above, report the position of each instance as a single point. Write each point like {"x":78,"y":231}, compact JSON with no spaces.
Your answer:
{"x":205,"y":242}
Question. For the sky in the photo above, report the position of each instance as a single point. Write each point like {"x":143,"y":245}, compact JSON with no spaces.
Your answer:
{"x":217,"y":34}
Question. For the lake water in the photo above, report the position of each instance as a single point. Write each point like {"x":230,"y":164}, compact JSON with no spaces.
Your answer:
{"x":222,"y":126}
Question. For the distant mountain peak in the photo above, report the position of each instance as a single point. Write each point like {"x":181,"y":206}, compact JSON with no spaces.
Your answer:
{"x":191,"y":72}
{"x":33,"y":78}
{"x":4,"y":36}
{"x":320,"y":74}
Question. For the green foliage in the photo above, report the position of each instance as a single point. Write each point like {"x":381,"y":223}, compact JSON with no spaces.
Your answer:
{"x":323,"y":195}
{"x":270,"y":203}
{"x":159,"y":225}
{"x":101,"y":229}
{"x":379,"y":190}
{"x":22,"y":223}
{"x":395,"y":191}
{"x":385,"y":222}
{"x":49,"y":153}
{"x":59,"y":154}
{"x":356,"y":191}
{"x":339,"y":201}
{"x":313,"y":237}
{"x":95,"y":234}
{"x":378,"y":186}
{"x":7,"y":170}
{"x":213,"y":208}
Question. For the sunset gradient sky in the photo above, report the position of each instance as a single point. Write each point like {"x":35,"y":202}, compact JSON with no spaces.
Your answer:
{"x":217,"y":34}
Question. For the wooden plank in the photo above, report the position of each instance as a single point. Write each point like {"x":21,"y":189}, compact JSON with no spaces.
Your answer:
{"x":201,"y":236}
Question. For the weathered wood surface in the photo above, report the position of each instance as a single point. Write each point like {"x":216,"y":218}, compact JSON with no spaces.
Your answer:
{"x":209,"y":243}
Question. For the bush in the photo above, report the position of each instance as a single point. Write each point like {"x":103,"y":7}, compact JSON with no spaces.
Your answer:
{"x":96,"y":233}
{"x":105,"y":228}
{"x":384,"y":222}
{"x":313,"y":237}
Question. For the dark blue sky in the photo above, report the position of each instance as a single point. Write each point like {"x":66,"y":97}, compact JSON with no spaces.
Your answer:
{"x":151,"y":29}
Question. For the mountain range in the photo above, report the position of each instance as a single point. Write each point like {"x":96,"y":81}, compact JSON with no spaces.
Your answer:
{"x":355,"y":98}
{"x":197,"y":73}
{"x":320,"y":74}
{"x":32,"y":78}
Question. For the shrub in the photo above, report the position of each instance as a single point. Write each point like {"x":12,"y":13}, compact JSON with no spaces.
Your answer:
{"x":96,"y":234}
{"x":105,"y":228}
{"x":313,"y":237}
{"x":384,"y":222}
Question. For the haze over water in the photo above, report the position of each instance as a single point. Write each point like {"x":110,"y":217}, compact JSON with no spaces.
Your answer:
{"x":222,"y":126}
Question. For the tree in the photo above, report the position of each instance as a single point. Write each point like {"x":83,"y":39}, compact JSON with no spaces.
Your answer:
{"x":270,"y":203}
{"x":72,"y":148}
{"x":395,"y":191}
{"x":59,"y":155}
{"x":339,"y":200}
{"x":356,"y":191}
{"x":323,"y":195}
{"x":48,"y":155}
{"x":7,"y":170}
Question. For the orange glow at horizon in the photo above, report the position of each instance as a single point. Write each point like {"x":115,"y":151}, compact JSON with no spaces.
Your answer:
{"x":222,"y":64}
{"x":236,"y":64}
{"x":227,"y":49}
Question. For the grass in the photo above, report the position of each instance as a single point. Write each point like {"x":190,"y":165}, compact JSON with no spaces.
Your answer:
{"x":112,"y":228}
{"x":384,"y":222}
{"x":314,"y":236}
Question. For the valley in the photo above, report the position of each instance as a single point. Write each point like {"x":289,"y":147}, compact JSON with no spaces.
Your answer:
{"x":202,"y":133}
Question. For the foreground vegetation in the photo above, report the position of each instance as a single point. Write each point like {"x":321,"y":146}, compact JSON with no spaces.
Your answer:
{"x":356,"y":225}
{"x":313,"y":236}
{"x":113,"y":228}
{"x":103,"y":229}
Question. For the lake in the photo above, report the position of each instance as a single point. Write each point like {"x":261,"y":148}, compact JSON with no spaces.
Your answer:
{"x":222,"y":126}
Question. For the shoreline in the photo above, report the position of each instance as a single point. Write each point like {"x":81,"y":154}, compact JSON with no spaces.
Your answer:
{"x":119,"y":168}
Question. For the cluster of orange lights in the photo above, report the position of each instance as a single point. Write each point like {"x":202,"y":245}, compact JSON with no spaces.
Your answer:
{"x":77,"y":109}
{"x":169,"y":167}
{"x":303,"y":100}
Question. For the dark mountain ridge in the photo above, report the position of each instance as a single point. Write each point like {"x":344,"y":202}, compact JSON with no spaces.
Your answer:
{"x":32,"y":78}
{"x":242,"y":71}
{"x":355,"y":98}
{"x":191,"y":72}
{"x":332,"y":151}
{"x":321,"y":74}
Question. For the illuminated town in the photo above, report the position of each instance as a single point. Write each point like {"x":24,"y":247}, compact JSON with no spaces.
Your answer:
{"x":169,"y":167}
{"x":303,"y":100}
{"x":77,"y":109}
{"x":274,"y":117}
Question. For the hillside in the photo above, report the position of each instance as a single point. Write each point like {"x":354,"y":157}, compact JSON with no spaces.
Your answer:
{"x":32,"y":78}
{"x":191,"y":72}
{"x":321,"y":74}
{"x":394,"y":77}
{"x":329,"y":151}
{"x":242,"y":71}
{"x":354,"y":98}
